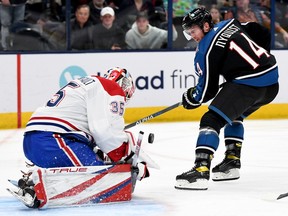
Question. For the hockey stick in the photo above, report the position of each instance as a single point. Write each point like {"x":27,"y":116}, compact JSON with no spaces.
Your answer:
{"x":282,"y":196}
{"x":135,"y":159}
{"x":147,"y":118}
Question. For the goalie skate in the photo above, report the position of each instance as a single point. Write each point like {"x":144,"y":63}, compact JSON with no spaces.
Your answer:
{"x":28,"y":197}
{"x":13,"y":182}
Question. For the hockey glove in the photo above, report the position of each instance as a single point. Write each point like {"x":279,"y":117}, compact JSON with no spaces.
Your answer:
{"x":125,"y":152}
{"x":130,"y":148}
{"x":141,"y":170}
{"x":188,"y":101}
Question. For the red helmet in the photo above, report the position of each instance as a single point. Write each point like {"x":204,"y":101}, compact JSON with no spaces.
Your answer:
{"x":124,"y":80}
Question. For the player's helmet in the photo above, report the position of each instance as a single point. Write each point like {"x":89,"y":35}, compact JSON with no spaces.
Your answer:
{"x":197,"y":17}
{"x":124,"y":80}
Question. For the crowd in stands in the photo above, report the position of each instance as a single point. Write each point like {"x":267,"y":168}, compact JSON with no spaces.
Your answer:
{"x":121,"y":24}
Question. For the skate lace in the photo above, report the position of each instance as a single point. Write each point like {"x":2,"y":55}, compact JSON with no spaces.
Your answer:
{"x":28,"y":173}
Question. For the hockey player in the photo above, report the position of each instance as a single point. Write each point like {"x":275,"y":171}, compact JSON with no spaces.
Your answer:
{"x":239,"y":53}
{"x":82,"y":122}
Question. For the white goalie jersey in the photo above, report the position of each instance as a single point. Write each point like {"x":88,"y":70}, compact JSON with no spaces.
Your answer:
{"x":91,"y":106}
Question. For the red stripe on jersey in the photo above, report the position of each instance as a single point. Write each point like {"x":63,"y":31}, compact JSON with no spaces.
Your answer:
{"x":55,"y":119}
{"x":111,"y":87}
{"x":67,"y":150}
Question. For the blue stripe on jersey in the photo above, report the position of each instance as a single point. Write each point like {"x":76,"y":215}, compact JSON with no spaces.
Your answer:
{"x":49,"y":123}
{"x":219,"y":112}
{"x":266,"y":79}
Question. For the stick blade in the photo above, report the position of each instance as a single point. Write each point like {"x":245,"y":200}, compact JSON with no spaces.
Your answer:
{"x":282,"y":196}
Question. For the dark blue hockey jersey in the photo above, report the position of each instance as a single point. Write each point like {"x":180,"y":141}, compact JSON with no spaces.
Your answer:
{"x":228,"y":50}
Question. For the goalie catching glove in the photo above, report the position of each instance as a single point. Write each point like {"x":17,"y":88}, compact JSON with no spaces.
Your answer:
{"x":188,"y":100}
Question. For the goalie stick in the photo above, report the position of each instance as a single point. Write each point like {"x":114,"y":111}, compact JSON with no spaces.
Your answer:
{"x":151,"y":116}
{"x":135,"y":159}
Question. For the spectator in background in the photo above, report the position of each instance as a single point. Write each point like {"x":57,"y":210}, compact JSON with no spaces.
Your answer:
{"x":246,"y":13}
{"x":76,"y":3}
{"x":144,"y":36}
{"x":114,"y":4}
{"x":95,"y":8}
{"x":57,"y":12}
{"x":128,"y":10}
{"x":11,"y":12}
{"x":108,"y":35}
{"x":81,"y":29}
{"x":208,"y":4}
{"x":158,"y":18}
{"x":215,"y":14}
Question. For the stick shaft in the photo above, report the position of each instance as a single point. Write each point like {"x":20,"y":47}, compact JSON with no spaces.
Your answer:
{"x":135,"y":160}
{"x":149,"y":117}
{"x":282,"y":196}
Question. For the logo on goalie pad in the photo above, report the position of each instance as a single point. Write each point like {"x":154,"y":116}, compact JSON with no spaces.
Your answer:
{"x":97,"y":184}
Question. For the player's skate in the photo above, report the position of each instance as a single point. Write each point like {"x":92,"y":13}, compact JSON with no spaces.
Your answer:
{"x":229,"y":168}
{"x":25,"y":191}
{"x":197,"y":178}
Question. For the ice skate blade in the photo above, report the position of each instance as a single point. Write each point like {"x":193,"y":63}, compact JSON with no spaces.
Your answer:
{"x":200,"y":184}
{"x":27,"y":199}
{"x":232,"y":174}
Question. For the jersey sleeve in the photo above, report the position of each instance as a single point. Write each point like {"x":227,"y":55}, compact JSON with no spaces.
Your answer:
{"x":207,"y":68}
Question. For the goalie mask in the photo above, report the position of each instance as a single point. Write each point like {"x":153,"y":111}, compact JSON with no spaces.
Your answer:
{"x":124,"y":80}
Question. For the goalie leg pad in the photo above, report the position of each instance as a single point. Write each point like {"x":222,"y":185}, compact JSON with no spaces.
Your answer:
{"x":74,"y":186}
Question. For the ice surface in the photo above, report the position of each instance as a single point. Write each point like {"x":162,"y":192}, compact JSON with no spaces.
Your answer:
{"x":264,"y":175}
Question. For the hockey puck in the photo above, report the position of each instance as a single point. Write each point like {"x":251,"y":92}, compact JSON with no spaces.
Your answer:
{"x":151,"y":138}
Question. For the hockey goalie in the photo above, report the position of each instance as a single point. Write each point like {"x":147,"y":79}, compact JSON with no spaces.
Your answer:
{"x":79,"y":148}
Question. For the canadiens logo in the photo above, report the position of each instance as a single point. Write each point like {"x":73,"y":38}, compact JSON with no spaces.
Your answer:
{"x":198,"y":71}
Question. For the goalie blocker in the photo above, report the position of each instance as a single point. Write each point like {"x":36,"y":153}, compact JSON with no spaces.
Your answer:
{"x":74,"y":186}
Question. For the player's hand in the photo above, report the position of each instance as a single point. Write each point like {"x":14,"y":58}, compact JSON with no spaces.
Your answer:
{"x":188,"y":100}
{"x":130,"y":148}
{"x":141,"y":170}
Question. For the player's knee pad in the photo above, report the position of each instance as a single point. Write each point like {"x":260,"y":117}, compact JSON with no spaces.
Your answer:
{"x":234,"y":132}
{"x":207,"y":139}
{"x":212,"y":120}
